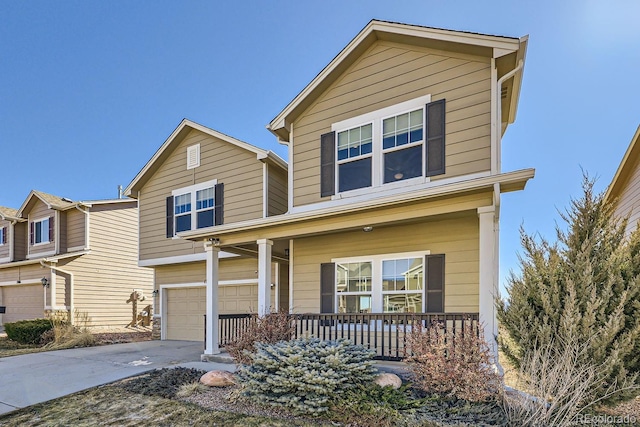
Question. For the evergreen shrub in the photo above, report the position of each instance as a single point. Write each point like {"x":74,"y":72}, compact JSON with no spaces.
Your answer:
{"x":27,"y":331}
{"x":305,"y":374}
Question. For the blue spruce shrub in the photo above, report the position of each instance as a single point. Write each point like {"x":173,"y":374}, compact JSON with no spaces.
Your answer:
{"x":303,"y":375}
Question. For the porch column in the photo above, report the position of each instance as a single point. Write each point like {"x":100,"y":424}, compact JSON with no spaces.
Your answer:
{"x":212,"y":253}
{"x":488,"y":275}
{"x":264,"y":276}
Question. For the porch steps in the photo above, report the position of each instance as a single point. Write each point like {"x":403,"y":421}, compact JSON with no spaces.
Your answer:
{"x":222,"y":357}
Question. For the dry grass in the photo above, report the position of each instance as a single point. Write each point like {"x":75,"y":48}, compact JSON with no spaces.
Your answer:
{"x":113,"y":406}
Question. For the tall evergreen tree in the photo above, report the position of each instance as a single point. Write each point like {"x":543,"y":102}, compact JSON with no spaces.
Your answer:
{"x":584,"y":287}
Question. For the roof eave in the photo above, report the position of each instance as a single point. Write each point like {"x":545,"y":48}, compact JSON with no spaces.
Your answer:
{"x":372,"y":32}
{"x":630,"y":154}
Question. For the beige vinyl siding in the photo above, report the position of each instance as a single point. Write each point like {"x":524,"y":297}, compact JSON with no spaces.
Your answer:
{"x":75,"y":228}
{"x":4,"y":249}
{"x":457,"y":238}
{"x":388,"y":74}
{"x":277,"y":191}
{"x":195,"y":272}
{"x":24,"y":274}
{"x":105,"y":278}
{"x":38,"y":212}
{"x":628,"y":202}
{"x":20,"y":239}
{"x":238,"y":169}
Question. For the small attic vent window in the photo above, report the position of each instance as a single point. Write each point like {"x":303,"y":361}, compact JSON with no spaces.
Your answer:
{"x":193,"y":156}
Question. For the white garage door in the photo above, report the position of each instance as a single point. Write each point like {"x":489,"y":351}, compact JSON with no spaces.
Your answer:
{"x":22,"y":302}
{"x":186,"y":308}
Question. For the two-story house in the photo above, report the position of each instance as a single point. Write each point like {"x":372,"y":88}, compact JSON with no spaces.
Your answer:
{"x":395,"y":185}
{"x":200,"y":178}
{"x":59,"y":255}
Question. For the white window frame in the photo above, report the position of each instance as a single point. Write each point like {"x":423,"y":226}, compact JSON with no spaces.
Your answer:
{"x":192,"y":189}
{"x":377,"y":152}
{"x":34,"y":222}
{"x":377,"y":300}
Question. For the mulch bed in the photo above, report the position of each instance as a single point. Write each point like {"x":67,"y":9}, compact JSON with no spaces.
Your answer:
{"x":104,"y":338}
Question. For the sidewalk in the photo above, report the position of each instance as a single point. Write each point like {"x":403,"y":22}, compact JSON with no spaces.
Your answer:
{"x":33,"y":378}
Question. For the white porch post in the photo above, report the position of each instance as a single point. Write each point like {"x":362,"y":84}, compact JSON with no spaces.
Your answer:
{"x":488,"y":276}
{"x":212,"y":253}
{"x":264,"y":276}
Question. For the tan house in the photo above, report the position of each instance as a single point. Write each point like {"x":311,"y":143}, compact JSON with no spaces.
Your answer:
{"x":624,"y":189}
{"x":394,"y":191}
{"x":62,"y":255}
{"x":200,"y":178}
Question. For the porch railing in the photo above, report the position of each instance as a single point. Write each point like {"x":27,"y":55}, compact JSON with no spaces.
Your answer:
{"x":383,"y":332}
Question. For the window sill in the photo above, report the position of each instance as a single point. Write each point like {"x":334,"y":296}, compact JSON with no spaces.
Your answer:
{"x":390,"y":187}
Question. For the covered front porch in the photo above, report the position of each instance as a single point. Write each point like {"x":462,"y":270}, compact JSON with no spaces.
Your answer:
{"x":383,"y":332}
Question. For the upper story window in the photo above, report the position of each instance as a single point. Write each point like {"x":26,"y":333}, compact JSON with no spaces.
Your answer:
{"x":41,"y":231}
{"x":3,"y":236}
{"x":183,"y":214}
{"x":398,"y":143}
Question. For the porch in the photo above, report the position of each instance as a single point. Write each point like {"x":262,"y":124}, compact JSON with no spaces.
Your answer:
{"x":383,"y":332}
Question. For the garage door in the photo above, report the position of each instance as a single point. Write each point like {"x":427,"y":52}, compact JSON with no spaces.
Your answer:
{"x":22,"y":302}
{"x":186,"y":308}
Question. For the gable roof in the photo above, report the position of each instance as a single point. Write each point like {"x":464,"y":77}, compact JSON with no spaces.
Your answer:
{"x":52,"y":202}
{"x":508,"y":51}
{"x":177,"y":136}
{"x":625,"y":170}
{"x":9,"y":213}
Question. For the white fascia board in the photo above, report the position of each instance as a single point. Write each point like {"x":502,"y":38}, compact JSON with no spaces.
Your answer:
{"x":371,"y":202}
{"x":180,"y":259}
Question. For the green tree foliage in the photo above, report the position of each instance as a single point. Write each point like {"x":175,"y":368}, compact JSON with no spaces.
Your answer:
{"x":583,"y":288}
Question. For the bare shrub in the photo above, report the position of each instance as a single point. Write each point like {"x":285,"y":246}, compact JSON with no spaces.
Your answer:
{"x":269,"y":329}
{"x":67,"y":335}
{"x":559,"y":384}
{"x":453,"y":364}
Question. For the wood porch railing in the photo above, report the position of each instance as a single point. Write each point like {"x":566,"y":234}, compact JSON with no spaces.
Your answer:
{"x":383,"y":332}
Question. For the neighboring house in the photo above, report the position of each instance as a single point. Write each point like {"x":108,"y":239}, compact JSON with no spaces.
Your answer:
{"x":395,"y":185}
{"x":200,"y":178}
{"x":624,"y":189}
{"x":57,"y":255}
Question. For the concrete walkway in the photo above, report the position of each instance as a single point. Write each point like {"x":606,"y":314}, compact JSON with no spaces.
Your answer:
{"x":34,"y":378}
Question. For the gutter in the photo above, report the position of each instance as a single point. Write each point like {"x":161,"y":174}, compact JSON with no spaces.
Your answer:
{"x":498,"y":130}
{"x":71,"y":305}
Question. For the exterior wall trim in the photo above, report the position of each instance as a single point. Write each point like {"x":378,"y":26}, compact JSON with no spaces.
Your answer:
{"x":180,"y":259}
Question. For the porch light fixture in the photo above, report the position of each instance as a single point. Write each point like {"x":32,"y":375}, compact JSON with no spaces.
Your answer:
{"x":367,"y":228}
{"x":155,"y":293}
{"x":45,"y":282}
{"x":214,"y":241}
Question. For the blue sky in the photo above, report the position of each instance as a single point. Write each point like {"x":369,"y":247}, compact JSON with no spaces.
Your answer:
{"x":89,"y":90}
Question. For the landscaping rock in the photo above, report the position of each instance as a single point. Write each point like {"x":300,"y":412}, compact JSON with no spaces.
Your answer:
{"x":388,"y":379}
{"x":218,"y":379}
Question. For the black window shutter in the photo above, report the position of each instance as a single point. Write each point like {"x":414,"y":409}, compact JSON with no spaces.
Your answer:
{"x":327,"y":287}
{"x":434,"y":289}
{"x":328,"y":164}
{"x":51,"y":229}
{"x":170,"y":216}
{"x":219,"y":209}
{"x":435,"y":133}
{"x":31,"y":229}
{"x":4,"y":235}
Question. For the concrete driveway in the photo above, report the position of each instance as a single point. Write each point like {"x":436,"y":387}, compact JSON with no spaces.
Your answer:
{"x":33,"y":378}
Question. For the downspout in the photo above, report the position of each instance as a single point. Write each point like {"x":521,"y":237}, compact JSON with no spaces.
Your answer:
{"x":501,"y":80}
{"x":71,"y":305}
